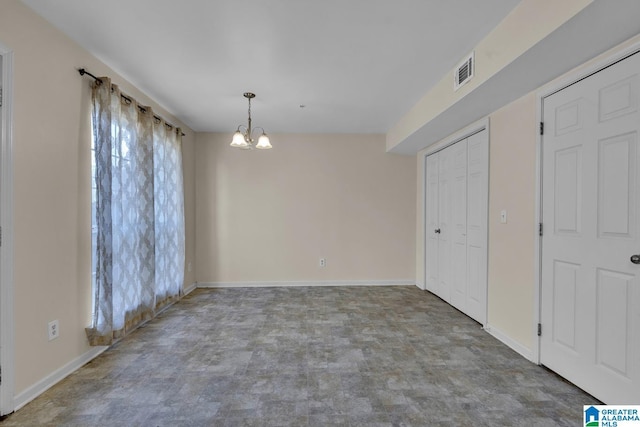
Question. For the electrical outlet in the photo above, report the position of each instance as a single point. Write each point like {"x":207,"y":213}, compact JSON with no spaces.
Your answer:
{"x":189,"y":267}
{"x":323,"y":262}
{"x":54,"y":330}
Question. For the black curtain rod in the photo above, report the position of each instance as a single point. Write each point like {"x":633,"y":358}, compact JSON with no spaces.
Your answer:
{"x":82,"y":72}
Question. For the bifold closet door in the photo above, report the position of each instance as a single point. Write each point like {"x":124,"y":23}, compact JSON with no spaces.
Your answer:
{"x":458,"y":174}
{"x":431,"y":223}
{"x":477,"y":225}
{"x":456,"y":202}
{"x":444,"y":224}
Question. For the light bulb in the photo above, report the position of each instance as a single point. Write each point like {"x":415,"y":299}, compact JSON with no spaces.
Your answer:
{"x":263,"y":142}
{"x":238,"y":140}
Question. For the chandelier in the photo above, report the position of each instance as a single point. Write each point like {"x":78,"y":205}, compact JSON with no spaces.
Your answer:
{"x":244,"y":139}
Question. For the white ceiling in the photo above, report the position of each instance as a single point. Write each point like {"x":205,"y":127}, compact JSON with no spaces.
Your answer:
{"x":357,"y":65}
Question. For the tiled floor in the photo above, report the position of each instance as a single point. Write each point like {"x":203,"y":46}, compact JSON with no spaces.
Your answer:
{"x":358,"y":356}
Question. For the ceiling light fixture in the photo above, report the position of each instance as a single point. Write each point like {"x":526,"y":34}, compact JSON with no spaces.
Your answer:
{"x":244,"y":139}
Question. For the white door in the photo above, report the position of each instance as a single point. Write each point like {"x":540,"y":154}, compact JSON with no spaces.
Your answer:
{"x":444,"y":224}
{"x":590,"y":302}
{"x":458,"y":173}
{"x":456,"y":198}
{"x":431,"y":223}
{"x":477,"y":221}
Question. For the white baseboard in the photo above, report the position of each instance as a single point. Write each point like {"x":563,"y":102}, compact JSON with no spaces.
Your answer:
{"x":190,"y":288}
{"x":509,"y":342}
{"x":306,"y":283}
{"x":421,"y":286}
{"x":56,"y":376}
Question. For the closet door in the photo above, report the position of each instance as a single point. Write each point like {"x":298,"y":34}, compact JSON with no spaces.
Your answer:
{"x":445,"y":220}
{"x":456,"y":195}
{"x":431,"y":223}
{"x":459,"y":224}
{"x":477,"y":229}
{"x":590,"y":284}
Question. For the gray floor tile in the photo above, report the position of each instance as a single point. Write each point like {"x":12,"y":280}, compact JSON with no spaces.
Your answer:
{"x":359,"y":356}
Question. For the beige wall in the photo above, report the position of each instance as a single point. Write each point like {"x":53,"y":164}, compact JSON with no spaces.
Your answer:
{"x":511,"y":246}
{"x":271,"y":215}
{"x":52,"y":278}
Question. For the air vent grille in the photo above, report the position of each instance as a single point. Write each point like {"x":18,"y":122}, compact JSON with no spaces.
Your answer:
{"x":463,"y":72}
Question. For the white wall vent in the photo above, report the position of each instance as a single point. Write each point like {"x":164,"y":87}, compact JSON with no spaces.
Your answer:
{"x":463,"y":72}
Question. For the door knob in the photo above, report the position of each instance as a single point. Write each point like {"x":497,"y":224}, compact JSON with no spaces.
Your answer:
{"x":635,"y":259}
{"x":437,"y":231}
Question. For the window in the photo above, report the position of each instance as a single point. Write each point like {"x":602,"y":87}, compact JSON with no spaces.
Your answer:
{"x":137,"y":214}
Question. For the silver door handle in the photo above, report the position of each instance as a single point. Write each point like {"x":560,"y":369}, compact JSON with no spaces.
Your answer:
{"x":635,"y":259}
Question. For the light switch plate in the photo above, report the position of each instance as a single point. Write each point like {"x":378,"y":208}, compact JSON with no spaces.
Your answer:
{"x":503,"y":216}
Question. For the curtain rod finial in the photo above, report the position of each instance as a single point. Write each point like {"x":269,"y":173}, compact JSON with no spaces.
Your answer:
{"x":82,"y":72}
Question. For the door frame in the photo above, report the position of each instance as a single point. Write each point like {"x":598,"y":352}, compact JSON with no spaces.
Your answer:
{"x":464,"y":133}
{"x":597,"y":64}
{"x":7,"y":387}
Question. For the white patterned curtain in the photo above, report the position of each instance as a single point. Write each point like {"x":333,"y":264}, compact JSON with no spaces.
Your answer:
{"x":138,"y":214}
{"x":169,"y":213}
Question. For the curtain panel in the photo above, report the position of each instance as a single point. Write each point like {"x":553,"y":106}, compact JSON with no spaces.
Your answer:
{"x":138,"y":215}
